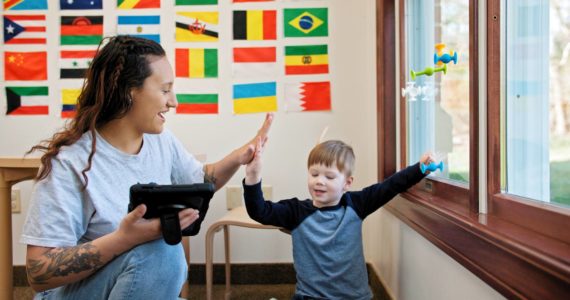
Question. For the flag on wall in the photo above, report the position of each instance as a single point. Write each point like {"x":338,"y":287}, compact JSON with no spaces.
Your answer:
{"x":301,"y":22}
{"x":197,"y":63}
{"x":254,"y":61}
{"x":81,"y":4}
{"x":308,"y":96}
{"x":140,"y":26}
{"x":197,"y":27}
{"x":134,"y":4}
{"x":311,"y":59}
{"x":197,"y":103}
{"x":74,"y":64}
{"x":25,"y":4}
{"x":27,"y":100}
{"x":24,"y":29}
{"x":196,"y":2}
{"x":25,"y":65}
{"x":81,"y":30}
{"x":69,"y":102}
{"x":238,"y":1}
{"x":254,"y":25}
{"x":255,"y":97}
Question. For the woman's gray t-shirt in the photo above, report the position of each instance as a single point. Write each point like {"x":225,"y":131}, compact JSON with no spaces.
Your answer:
{"x":62,"y":214}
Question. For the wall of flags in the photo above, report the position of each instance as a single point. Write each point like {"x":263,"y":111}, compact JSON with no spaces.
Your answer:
{"x":278,"y":49}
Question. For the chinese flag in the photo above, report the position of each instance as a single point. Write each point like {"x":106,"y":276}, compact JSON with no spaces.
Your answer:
{"x":25,"y":65}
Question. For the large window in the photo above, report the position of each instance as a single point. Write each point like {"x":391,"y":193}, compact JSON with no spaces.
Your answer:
{"x":536,"y":100}
{"x":500,"y":120}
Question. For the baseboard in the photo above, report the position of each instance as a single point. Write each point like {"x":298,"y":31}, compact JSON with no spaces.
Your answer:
{"x":266,"y":273}
{"x":19,"y":276}
{"x":379,"y":289}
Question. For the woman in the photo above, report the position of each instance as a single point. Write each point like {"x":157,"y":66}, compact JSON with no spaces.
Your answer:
{"x":80,"y":243}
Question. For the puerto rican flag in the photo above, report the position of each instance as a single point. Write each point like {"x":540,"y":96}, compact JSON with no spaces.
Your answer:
{"x":24,"y":29}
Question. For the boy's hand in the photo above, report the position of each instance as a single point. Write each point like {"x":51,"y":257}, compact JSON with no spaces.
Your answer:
{"x":427,"y":158}
{"x":253,"y":168}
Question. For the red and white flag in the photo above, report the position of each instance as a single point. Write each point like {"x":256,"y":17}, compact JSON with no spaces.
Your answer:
{"x":308,"y":96}
{"x":254,"y":62}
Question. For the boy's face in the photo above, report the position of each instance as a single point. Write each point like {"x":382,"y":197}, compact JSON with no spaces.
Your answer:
{"x":327,"y":184}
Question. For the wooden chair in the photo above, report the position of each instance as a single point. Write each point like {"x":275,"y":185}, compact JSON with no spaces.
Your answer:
{"x":235,"y":217}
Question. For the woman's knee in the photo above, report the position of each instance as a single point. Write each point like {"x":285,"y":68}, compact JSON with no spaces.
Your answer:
{"x":161,"y":258}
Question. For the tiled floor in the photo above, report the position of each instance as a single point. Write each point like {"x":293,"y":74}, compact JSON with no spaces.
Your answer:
{"x":198,"y":292}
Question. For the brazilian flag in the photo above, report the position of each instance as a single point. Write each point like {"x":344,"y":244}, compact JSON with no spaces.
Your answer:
{"x":301,"y":22}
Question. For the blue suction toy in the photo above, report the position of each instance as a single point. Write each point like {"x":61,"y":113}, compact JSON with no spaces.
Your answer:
{"x":432,"y":166}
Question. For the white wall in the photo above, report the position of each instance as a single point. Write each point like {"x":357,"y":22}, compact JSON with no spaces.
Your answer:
{"x":413,"y":268}
{"x":351,"y":53}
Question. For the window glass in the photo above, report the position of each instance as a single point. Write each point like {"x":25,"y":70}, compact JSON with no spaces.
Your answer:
{"x":437,"y":39}
{"x":536,"y":100}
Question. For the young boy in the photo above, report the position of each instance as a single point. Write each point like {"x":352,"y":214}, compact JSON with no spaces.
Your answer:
{"x":327,"y":229}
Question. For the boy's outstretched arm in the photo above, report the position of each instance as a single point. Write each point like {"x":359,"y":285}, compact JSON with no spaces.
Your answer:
{"x":282,"y":213}
{"x":219,"y":173}
{"x":375,"y":196}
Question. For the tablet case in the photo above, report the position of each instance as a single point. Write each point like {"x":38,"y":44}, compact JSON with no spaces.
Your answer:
{"x":165,"y":201}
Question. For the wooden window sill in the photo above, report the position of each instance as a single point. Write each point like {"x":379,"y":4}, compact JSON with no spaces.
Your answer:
{"x":516,"y":261}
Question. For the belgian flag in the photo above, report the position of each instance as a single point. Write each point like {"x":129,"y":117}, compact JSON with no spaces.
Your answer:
{"x":255,"y":25}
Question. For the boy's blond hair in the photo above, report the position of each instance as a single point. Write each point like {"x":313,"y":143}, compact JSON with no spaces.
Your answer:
{"x":333,"y":152}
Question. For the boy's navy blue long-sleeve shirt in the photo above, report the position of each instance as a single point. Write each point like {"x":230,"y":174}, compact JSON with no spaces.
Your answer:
{"x":327,"y":241}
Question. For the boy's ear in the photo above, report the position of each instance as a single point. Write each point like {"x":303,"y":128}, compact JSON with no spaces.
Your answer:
{"x":348,"y":183}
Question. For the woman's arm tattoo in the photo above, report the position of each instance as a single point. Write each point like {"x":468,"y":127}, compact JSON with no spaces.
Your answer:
{"x":60,"y":262}
{"x":209,"y":175}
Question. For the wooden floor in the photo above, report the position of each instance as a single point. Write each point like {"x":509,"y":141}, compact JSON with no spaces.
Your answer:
{"x":198,"y":292}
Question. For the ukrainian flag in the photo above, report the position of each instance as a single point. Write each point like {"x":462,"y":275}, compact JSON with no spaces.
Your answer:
{"x":255,"y":97}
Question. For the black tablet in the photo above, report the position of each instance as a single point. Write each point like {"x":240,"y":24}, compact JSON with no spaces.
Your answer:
{"x":165,"y":201}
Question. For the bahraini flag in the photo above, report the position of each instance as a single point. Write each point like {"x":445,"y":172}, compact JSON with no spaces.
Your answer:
{"x":197,"y":103}
{"x":24,"y":29}
{"x":196,"y":2}
{"x":147,"y":27}
{"x":308,"y":96}
{"x":25,"y":4}
{"x":309,"y":59}
{"x":81,"y":4}
{"x":255,"y":97}
{"x":305,"y":22}
{"x":81,"y":30}
{"x":69,"y":102}
{"x":197,"y":63}
{"x":25,"y":65}
{"x":255,"y":25}
{"x":254,"y":62}
{"x":74,"y":63}
{"x":134,"y":4}
{"x":27,"y":100}
{"x":197,"y":26}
